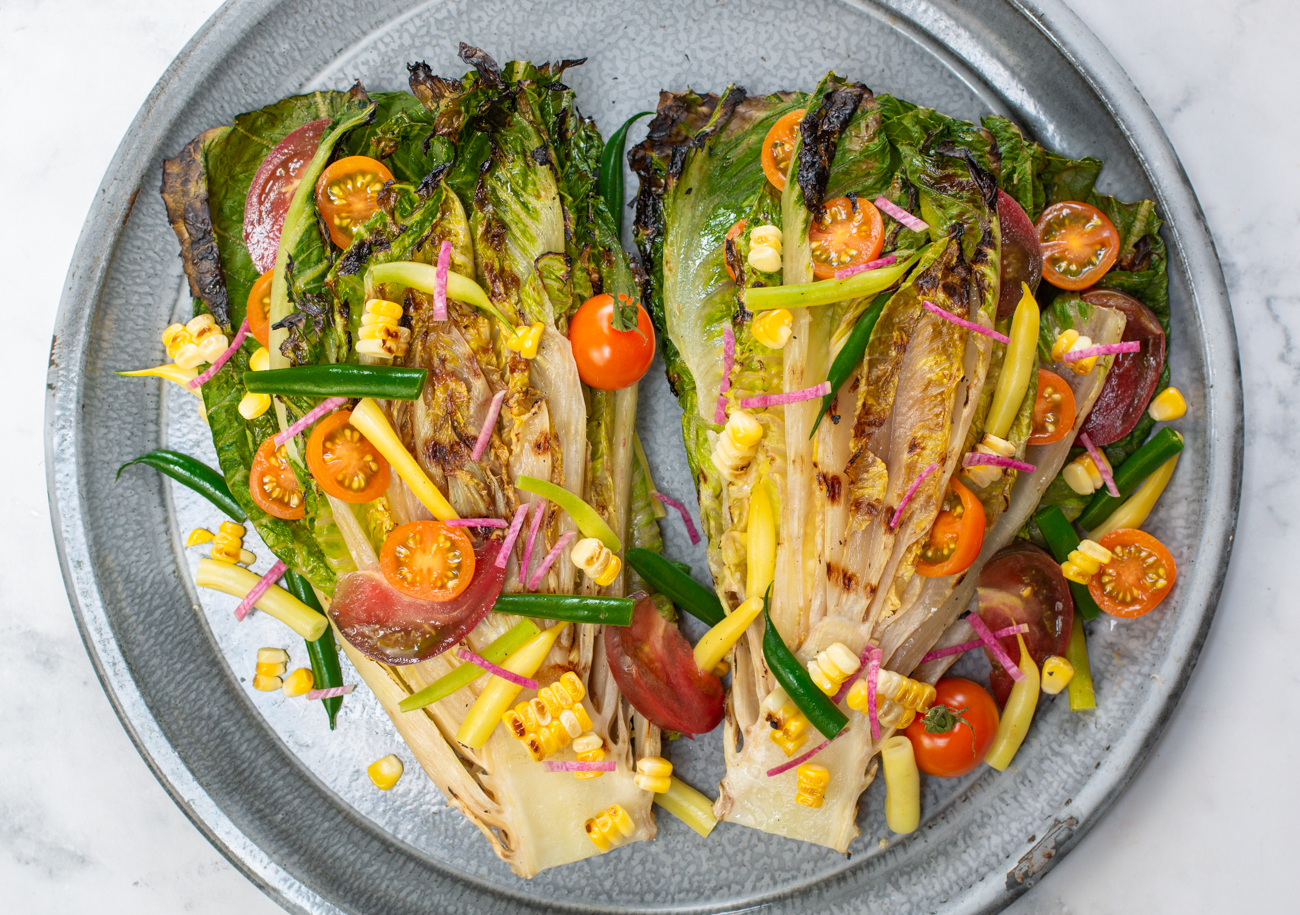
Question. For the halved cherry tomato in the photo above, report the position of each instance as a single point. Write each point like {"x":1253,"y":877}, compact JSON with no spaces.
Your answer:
{"x":778,"y":147}
{"x":259,"y":308}
{"x":428,"y":560}
{"x":347,"y":194}
{"x":729,"y":247}
{"x":960,"y":750}
{"x":610,"y":359}
{"x":1079,"y":244}
{"x":273,"y":485}
{"x":1138,"y":576}
{"x":956,"y":537}
{"x":849,"y":232}
{"x":1053,"y":410}
{"x":343,"y":462}
{"x":272,"y":190}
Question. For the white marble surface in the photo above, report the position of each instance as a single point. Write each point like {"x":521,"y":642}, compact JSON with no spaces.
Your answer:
{"x":83,"y":823}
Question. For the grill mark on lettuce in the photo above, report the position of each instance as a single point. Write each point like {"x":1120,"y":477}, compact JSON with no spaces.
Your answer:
{"x":819,"y":136}
{"x":185,"y":194}
{"x":488,"y":71}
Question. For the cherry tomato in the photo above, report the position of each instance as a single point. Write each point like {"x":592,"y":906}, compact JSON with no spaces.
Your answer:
{"x":259,"y":308}
{"x":387,"y":625}
{"x":347,"y":194}
{"x":1133,"y":376}
{"x":730,"y":249}
{"x":960,"y":750}
{"x":343,"y":462}
{"x":957,"y":535}
{"x":1138,"y":576}
{"x":655,"y":670}
{"x":1022,"y":584}
{"x":273,"y":485}
{"x":610,"y":359}
{"x":1022,"y":256}
{"x":778,"y":147}
{"x":1079,"y":244}
{"x":272,"y":189}
{"x":849,"y":233}
{"x":1053,"y":409}
{"x":428,"y":560}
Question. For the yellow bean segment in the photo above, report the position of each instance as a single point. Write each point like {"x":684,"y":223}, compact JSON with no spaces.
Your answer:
{"x":1133,"y":513}
{"x":689,"y":806}
{"x":903,"y":802}
{"x":1013,"y":380}
{"x":496,"y":697}
{"x":760,"y":543}
{"x":371,"y":422}
{"x":709,"y":650}
{"x":1019,"y":712}
{"x":276,"y":602}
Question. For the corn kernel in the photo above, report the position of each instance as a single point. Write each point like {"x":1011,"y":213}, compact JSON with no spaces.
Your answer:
{"x":270,"y":668}
{"x":622,"y":820}
{"x":385,"y":772}
{"x":652,"y":784}
{"x":766,"y":235}
{"x":198,"y":536}
{"x":272,"y":656}
{"x":381,"y":333}
{"x":188,"y":356}
{"x":1075,"y":574}
{"x":1094,"y":550}
{"x":737,"y":445}
{"x":201,"y":327}
{"x":569,"y":721}
{"x":525,"y":340}
{"x":251,"y":405}
{"x":213,"y":346}
{"x":1168,"y":404}
{"x":824,"y":683}
{"x":909,"y":695}
{"x":812,"y":782}
{"x":982,"y":475}
{"x":175,"y":336}
{"x":596,"y":561}
{"x":654,"y":766}
{"x":608,"y":828}
{"x":299,"y":682}
{"x":597,"y":835}
{"x":541,"y":711}
{"x":764,"y":258}
{"x":772,"y":328}
{"x":260,"y":361}
{"x":546,"y":723}
{"x":1077,"y":478}
{"x":227,"y":546}
{"x":589,"y":748}
{"x":588,"y":742}
{"x":1057,"y":674}
{"x":1063,"y":343}
{"x":722,"y":668}
{"x":267,"y":684}
{"x":246,"y":558}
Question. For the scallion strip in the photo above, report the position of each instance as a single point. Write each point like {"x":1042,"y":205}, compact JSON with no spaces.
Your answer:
{"x":519,"y":635}
{"x":827,"y":292}
{"x":587,"y":518}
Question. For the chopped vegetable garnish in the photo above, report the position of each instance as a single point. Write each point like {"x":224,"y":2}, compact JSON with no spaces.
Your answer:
{"x":521,"y":512}
{"x":994,"y":646}
{"x":385,"y":772}
{"x":728,"y":363}
{"x":798,"y":760}
{"x":678,"y":586}
{"x":689,"y":806}
{"x":496,"y":697}
{"x":827,"y":292}
{"x":549,"y":561}
{"x":587,"y":518}
{"x":573,"y":608}
{"x":792,"y":676}
{"x":475,"y":522}
{"x":763,"y":401}
{"x":811,"y":782}
{"x":596,"y":561}
{"x":221,"y":360}
{"x":387,"y":382}
{"x":873,"y":679}
{"x":737,"y":446}
{"x":969,"y":325}
{"x":523,"y":682}
{"x":911,"y":491}
{"x":255,"y":593}
{"x":976,"y":459}
{"x":1168,"y":405}
{"x":424,"y":278}
{"x":539,"y":512}
{"x":845,"y":272}
{"x":324,"y":408}
{"x":1105,"y":349}
{"x":521,"y":633}
{"x":298,"y":683}
{"x":170,"y":372}
{"x":1080,"y":689}
{"x":972,"y":645}
{"x":440,"y":283}
{"x":275,"y":602}
{"x":572,"y":765}
{"x":1062,"y":540}
{"x":195,"y":474}
{"x":715,"y":643}
{"x":1145,"y":461}
{"x":1102,"y":465}
{"x":903,"y":784}
{"x":489,"y":424}
{"x":654,"y":773}
{"x":901,"y":215}
{"x":333,"y":692}
{"x":686,"y":515}
{"x":323,"y":652}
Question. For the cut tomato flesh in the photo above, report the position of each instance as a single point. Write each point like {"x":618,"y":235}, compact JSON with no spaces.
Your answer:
{"x":428,"y":560}
{"x":1054,"y":409}
{"x":778,"y":147}
{"x":849,"y":233}
{"x":1139,"y":575}
{"x":1079,"y":244}
{"x":344,"y":462}
{"x":272,"y":190}
{"x":259,"y":307}
{"x":273,"y":484}
{"x":347,"y":194}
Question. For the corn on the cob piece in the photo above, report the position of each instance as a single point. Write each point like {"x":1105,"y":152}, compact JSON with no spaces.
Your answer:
{"x":1085,"y":562}
{"x":653,"y":773}
{"x":524,"y":340}
{"x":1057,"y":674}
{"x":772,"y":328}
{"x":899,"y":699}
{"x":737,"y":445}
{"x":549,"y":721}
{"x":1070,"y":342}
{"x":207,"y":336}
{"x":229,"y":542}
{"x":271,"y":664}
{"x":596,"y":560}
{"x":381,"y":332}
{"x":588,"y":748}
{"x":269,"y":669}
{"x":385,"y":772}
{"x":812,"y":780}
{"x":299,"y":682}
{"x":789,"y":725}
{"x":1168,"y":404}
{"x":181,"y":346}
{"x":608,"y":829}
{"x":982,"y":475}
{"x":832,"y":667}
{"x":199,"y":536}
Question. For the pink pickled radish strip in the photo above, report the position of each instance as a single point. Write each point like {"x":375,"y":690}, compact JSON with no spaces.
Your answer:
{"x":900,"y":214}
{"x":1102,"y":467}
{"x":325,"y":407}
{"x":681,"y":510}
{"x":993,"y":645}
{"x":777,"y":400}
{"x":847,"y":272}
{"x":577,"y":765}
{"x":255,"y":594}
{"x":720,"y":410}
{"x":549,"y":561}
{"x":637,"y":596}
{"x":962,"y":322}
{"x":873,"y":674}
{"x":195,"y":383}
{"x":862,"y":668}
{"x":466,"y":655}
{"x":1104,"y":349}
{"x":539,"y":512}
{"x":971,"y":646}
{"x":474,"y":522}
{"x":728,"y":363}
{"x":334,"y":692}
{"x":511,"y":536}
{"x":440,"y":284}
{"x":911,"y":491}
{"x":799,"y":760}
{"x":489,"y":423}
{"x":977,"y":458}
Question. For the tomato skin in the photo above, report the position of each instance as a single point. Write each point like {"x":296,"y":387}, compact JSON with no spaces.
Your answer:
{"x":969,"y":530}
{"x":1148,"y":597}
{"x":259,"y":308}
{"x":1050,"y":383}
{"x":610,"y":359}
{"x":272,"y":189}
{"x":1079,"y":244}
{"x":654,"y":667}
{"x":1022,"y":255}
{"x":329,"y":455}
{"x":775,"y":162}
{"x":270,"y":471}
{"x":961,"y":750}
{"x":347,"y":194}
{"x":417,"y":553}
{"x":849,"y":233}
{"x":1133,"y":377}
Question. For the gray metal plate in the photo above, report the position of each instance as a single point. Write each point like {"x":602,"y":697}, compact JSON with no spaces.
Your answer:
{"x":286,"y":800}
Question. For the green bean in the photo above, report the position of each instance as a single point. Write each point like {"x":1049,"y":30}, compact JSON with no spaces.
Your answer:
{"x":324,"y":651}
{"x":824,"y":714}
{"x":828,"y":292}
{"x":193,"y":473}
{"x":668,"y":579}
{"x":389,"y":382}
{"x":1129,"y":475}
{"x":850,"y":355}
{"x":521,"y":634}
{"x":570,"y":608}
{"x":610,"y":180}
{"x":1061,"y":539}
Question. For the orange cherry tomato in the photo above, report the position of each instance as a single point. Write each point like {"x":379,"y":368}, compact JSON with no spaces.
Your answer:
{"x":1079,"y":244}
{"x":732,"y":234}
{"x":259,"y":308}
{"x":273,"y":484}
{"x":959,"y":750}
{"x":343,"y":462}
{"x":347,"y":194}
{"x":850,"y":232}
{"x":428,"y":560}
{"x":956,"y":537}
{"x":778,"y":147}
{"x":1138,"y":576}
{"x":610,"y":359}
{"x":1053,"y":409}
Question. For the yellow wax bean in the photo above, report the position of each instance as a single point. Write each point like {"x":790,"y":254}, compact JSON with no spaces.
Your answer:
{"x":1013,"y":380}
{"x":277,"y":602}
{"x":903,"y":802}
{"x":760,"y":543}
{"x":710,"y":649}
{"x":496,"y":697}
{"x":1134,"y":511}
{"x":371,"y":422}
{"x":1019,"y":712}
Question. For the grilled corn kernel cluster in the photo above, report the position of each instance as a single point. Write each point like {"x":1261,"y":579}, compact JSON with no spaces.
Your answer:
{"x":653,"y":773}
{"x":549,"y":721}
{"x":385,"y":772}
{"x":596,"y":560}
{"x":381,"y":332}
{"x":251,"y":405}
{"x":789,"y":725}
{"x":899,"y":699}
{"x":1169,"y":404}
{"x":765,"y":249}
{"x":1083,"y":476}
{"x":832,"y":667}
{"x":588,"y":748}
{"x":207,"y":336}
{"x":737,"y":445}
{"x":1085,"y":562}
{"x":812,"y":781}
{"x":524,"y":340}
{"x":228,"y":545}
{"x":608,"y":829}
{"x":1057,"y":674}
{"x":982,"y":475}
{"x":299,"y":682}
{"x":1070,"y":342}
{"x":772,"y":328}
{"x":271,"y":663}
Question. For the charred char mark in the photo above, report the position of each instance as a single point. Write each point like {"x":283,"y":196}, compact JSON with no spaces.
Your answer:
{"x":487,"y":68}
{"x":833,"y":485}
{"x":541,"y":155}
{"x":354,"y":259}
{"x":819,"y":133}
{"x":731,"y":100}
{"x":985,"y":182}
{"x":542,"y":444}
{"x":731,"y":252}
{"x":1139,"y":258}
{"x":185,"y":194}
{"x":841,"y":577}
{"x":429,"y":183}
